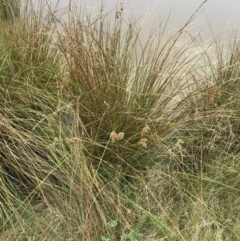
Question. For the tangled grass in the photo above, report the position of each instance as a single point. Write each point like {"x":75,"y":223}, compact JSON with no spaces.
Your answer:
{"x":104,"y":138}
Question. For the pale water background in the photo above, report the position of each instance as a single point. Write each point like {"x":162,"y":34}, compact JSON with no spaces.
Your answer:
{"x":222,"y":15}
{"x":217,"y":19}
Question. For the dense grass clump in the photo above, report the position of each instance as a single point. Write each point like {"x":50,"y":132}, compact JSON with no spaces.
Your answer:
{"x":9,"y":9}
{"x":103,"y":137}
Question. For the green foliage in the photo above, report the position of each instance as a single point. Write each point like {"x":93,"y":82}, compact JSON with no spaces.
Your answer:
{"x":103,"y":238}
{"x":112,"y":223}
{"x":134,"y":236}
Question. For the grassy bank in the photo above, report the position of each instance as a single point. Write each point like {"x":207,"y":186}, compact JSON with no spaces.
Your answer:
{"x":105,"y":138}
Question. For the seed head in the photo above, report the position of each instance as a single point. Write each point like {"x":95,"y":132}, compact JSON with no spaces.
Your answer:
{"x":143,"y":142}
{"x":116,"y":137}
{"x":145,"y":130}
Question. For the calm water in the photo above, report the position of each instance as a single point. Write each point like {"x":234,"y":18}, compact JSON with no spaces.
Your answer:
{"x":215,"y":18}
{"x":216,"y":15}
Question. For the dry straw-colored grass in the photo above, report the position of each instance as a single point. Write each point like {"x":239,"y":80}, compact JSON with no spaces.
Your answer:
{"x":104,"y":138}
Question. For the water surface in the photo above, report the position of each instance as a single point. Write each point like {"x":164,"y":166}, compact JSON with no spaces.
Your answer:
{"x":216,"y":16}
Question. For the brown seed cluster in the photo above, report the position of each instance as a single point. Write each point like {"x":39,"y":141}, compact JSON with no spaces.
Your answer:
{"x":143,"y":140}
{"x":116,"y":137}
{"x":145,"y":130}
